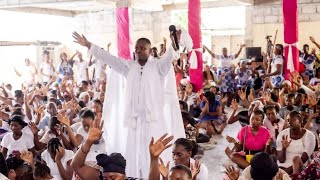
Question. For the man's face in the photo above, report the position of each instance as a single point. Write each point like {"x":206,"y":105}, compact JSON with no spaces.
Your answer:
{"x":289,"y":101}
{"x":225,"y":51}
{"x":305,"y":49}
{"x":271,"y":114}
{"x":142,"y":50}
{"x":47,"y":58}
{"x":27,"y":62}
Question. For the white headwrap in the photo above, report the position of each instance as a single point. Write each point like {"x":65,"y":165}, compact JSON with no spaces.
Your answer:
{"x":185,"y":39}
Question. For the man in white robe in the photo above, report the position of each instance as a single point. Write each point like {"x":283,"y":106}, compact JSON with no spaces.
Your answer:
{"x":133,"y":118}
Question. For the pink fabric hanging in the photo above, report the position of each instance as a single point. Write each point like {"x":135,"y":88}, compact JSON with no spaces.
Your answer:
{"x":123,"y":34}
{"x":291,"y":36}
{"x":194,"y":26}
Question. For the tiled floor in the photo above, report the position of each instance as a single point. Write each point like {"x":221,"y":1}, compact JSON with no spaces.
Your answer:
{"x":214,"y":158}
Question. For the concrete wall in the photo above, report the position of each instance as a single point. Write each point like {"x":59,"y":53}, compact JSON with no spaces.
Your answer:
{"x":101,"y":27}
{"x":263,"y":20}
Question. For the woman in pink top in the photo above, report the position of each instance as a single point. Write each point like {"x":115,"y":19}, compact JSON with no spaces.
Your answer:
{"x":253,"y":138}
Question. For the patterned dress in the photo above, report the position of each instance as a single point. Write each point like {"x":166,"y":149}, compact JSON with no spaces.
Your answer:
{"x":277,"y":80}
{"x":226,"y":66}
{"x":308,"y":62}
{"x":243,"y":79}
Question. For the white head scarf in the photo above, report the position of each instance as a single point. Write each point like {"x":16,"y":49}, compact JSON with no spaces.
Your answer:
{"x":185,"y":39}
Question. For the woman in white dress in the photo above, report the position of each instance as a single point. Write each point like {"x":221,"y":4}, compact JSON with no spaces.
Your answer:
{"x":276,"y":67}
{"x":294,"y":141}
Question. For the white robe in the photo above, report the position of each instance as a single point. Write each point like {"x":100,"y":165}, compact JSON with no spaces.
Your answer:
{"x":139,"y":106}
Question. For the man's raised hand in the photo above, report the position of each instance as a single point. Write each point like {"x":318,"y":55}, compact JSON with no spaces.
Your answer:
{"x":81,"y":39}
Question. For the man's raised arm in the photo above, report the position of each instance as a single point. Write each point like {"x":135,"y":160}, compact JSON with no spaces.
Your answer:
{"x":119,"y":65}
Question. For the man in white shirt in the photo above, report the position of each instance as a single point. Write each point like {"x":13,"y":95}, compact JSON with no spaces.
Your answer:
{"x":46,"y":68}
{"x":82,"y":65}
{"x":27,"y":72}
{"x":144,"y":102}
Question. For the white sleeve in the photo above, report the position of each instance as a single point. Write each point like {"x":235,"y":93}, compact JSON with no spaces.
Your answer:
{"x":278,"y":61}
{"x":165,"y":62}
{"x":30,"y":143}
{"x":279,"y":141}
{"x":218,"y":57}
{"x":4,"y":142}
{"x":119,"y":65}
{"x":203,"y":175}
{"x":232,"y":57}
{"x":311,"y":82}
{"x":309,"y":142}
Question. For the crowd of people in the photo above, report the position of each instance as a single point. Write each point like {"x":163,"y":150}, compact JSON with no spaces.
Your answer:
{"x":52,"y":128}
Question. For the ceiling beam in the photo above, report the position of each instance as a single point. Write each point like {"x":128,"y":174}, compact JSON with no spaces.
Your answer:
{"x":258,"y":2}
{"x":42,"y":11}
{"x":28,"y":3}
{"x":210,"y":4}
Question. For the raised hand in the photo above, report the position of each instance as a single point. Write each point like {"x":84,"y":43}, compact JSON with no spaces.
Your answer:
{"x":82,"y":40}
{"x":232,"y":173}
{"x":109,"y":44}
{"x":164,"y":39}
{"x":33,"y":127}
{"x":164,"y":169}
{"x":195,"y":169}
{"x":242,"y":94}
{"x":95,"y":132}
{"x":313,"y":51}
{"x":285,"y":142}
{"x":59,"y":154}
{"x":63,"y":119}
{"x":224,"y":99}
{"x":27,"y":156}
{"x":312,"y":100}
{"x":242,"y":45}
{"x":312,"y":39}
{"x":40,"y":109}
{"x":234,"y":104}
{"x":156,"y":148}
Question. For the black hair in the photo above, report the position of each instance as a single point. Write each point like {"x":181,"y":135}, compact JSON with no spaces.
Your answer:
{"x":13,"y":162}
{"x":190,"y":146}
{"x":154,"y":48}
{"x":98,"y":102}
{"x":263,"y":166}
{"x":82,"y":104}
{"x":18,"y":119}
{"x":210,"y":97}
{"x":274,"y":97}
{"x":3,"y":165}
{"x":145,"y":40}
{"x":41,"y":170}
{"x":182,"y":168}
{"x":88,"y":114}
{"x":85,"y":82}
{"x":276,"y":108}
{"x":53,"y":121}
{"x":188,"y":117}
{"x":53,"y":145}
{"x":61,"y":56}
{"x":301,"y":91}
{"x":290,"y":96}
{"x":259,"y":112}
{"x":305,"y":45}
{"x":82,"y":110}
{"x":293,"y":114}
{"x":318,"y":103}
{"x":18,"y":93}
{"x":45,"y":52}
{"x":184,"y":105}
{"x":17,"y":111}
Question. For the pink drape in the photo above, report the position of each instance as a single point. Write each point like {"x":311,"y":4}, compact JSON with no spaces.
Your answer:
{"x":123,"y":35}
{"x":194,"y":26}
{"x":291,"y":36}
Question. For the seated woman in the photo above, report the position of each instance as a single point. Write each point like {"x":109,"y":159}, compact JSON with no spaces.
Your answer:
{"x":190,"y":97}
{"x":252,"y":139}
{"x":273,"y":122}
{"x":58,"y":160}
{"x":183,"y":151}
{"x":55,"y":131}
{"x":294,"y":141}
{"x":211,"y":112}
{"x":263,"y":166}
{"x":87,"y":118}
{"x":113,"y":166}
{"x":16,"y":141}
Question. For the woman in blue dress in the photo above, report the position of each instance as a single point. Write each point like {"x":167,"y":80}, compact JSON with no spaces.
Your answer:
{"x":211,"y":112}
